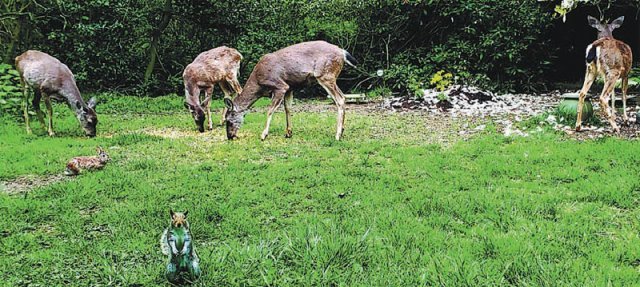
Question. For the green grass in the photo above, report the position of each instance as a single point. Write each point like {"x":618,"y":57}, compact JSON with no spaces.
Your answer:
{"x":396,"y":203}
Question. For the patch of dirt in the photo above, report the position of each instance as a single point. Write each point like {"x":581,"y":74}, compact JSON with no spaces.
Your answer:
{"x":506,"y":111}
{"x":629,"y":131}
{"x":27,"y":183}
{"x":169,"y":133}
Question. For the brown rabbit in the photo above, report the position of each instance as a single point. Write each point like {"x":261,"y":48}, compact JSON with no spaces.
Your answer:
{"x":76,"y":164}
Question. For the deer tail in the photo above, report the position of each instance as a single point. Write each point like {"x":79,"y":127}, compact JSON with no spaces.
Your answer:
{"x":592,"y":53}
{"x":349,"y":59}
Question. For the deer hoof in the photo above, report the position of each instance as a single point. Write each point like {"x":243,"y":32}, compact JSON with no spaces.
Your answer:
{"x":263,"y":136}
{"x":288,"y":135}
{"x":52,"y":134}
{"x":578,"y":128}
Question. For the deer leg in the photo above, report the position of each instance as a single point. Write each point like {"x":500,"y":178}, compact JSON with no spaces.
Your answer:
{"x":589,"y":77}
{"x":208,"y":93}
{"x":47,"y":101}
{"x":278,"y":95}
{"x":36,"y":106}
{"x":235,"y":85}
{"x":625,"y":87}
{"x":332,"y":88}
{"x":608,"y":89}
{"x":288,"y":100}
{"x":227,"y":94}
{"x":25,"y":93}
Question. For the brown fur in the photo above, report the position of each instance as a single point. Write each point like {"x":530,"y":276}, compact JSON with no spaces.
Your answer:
{"x":216,"y":66}
{"x":51,"y":79}
{"x":276,"y":74}
{"x":77,"y":164}
{"x":613,"y":61}
{"x":179,"y":219}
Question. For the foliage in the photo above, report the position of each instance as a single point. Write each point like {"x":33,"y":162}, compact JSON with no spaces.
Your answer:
{"x":398,"y":203}
{"x":10,"y":91}
{"x":379,"y":92}
{"x":108,"y":43}
{"x":441,"y":80}
{"x":567,"y":6}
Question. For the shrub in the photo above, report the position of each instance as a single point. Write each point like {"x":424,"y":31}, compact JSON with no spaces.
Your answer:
{"x":10,"y":91}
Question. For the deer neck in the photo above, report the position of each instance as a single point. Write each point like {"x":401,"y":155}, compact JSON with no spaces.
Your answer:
{"x":606,"y":33}
{"x":71,"y":93}
{"x":250,"y":94}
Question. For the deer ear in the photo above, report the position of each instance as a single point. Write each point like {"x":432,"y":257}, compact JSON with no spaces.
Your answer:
{"x":593,"y":22}
{"x":229,"y":103}
{"x":617,"y":22}
{"x":171,"y":212}
{"x":93,"y":102}
{"x":185,"y":213}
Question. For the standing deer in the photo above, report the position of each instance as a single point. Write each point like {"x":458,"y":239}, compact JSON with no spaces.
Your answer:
{"x":611,"y":59}
{"x":276,"y":74}
{"x":51,"y":79}
{"x":216,"y":66}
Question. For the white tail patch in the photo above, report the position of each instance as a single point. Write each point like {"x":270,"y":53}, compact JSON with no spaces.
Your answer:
{"x":346,"y":59}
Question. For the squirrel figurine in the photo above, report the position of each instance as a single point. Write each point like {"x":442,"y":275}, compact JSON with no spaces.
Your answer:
{"x":77,"y":164}
{"x":176,"y":243}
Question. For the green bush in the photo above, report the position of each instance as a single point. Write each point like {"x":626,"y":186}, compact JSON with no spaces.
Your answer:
{"x":501,"y":44}
{"x":10,"y":91}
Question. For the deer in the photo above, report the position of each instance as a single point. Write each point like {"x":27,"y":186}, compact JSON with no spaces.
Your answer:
{"x":611,"y":59}
{"x":216,"y":66}
{"x":278,"y":73}
{"x":50,"y":79}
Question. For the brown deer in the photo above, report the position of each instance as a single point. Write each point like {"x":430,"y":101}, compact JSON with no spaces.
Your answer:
{"x":216,"y":66}
{"x":611,"y":59}
{"x":276,"y":74}
{"x":47,"y":77}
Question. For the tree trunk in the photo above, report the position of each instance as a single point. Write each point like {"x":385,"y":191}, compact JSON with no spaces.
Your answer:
{"x":15,"y":40}
{"x":155,"y":39}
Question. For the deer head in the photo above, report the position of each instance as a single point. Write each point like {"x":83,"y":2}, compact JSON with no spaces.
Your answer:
{"x":87,"y":116}
{"x":197,"y":112}
{"x":234,"y":119}
{"x":604,"y":29}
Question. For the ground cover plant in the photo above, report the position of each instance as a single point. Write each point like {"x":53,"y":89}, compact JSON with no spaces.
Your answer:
{"x":403,"y":200}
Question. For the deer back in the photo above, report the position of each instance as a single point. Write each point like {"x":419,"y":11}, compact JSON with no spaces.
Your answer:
{"x":610,"y":55}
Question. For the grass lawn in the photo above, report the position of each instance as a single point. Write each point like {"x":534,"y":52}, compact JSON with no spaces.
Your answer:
{"x":396,"y":203}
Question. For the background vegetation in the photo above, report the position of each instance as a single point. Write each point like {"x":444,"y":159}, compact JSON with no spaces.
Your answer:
{"x":142,"y":46}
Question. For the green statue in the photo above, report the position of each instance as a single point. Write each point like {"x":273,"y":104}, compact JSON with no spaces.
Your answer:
{"x":184,"y":264}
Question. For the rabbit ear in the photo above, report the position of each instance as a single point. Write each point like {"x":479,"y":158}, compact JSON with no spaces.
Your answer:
{"x":171,"y":213}
{"x":185,"y":213}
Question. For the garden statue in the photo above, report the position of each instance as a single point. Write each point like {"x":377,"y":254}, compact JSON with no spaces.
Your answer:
{"x":176,"y":244}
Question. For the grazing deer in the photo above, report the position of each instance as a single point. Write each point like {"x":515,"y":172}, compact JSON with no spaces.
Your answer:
{"x":276,"y":74}
{"x":76,"y":164}
{"x":51,"y":79}
{"x":611,"y":59}
{"x":216,"y":66}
